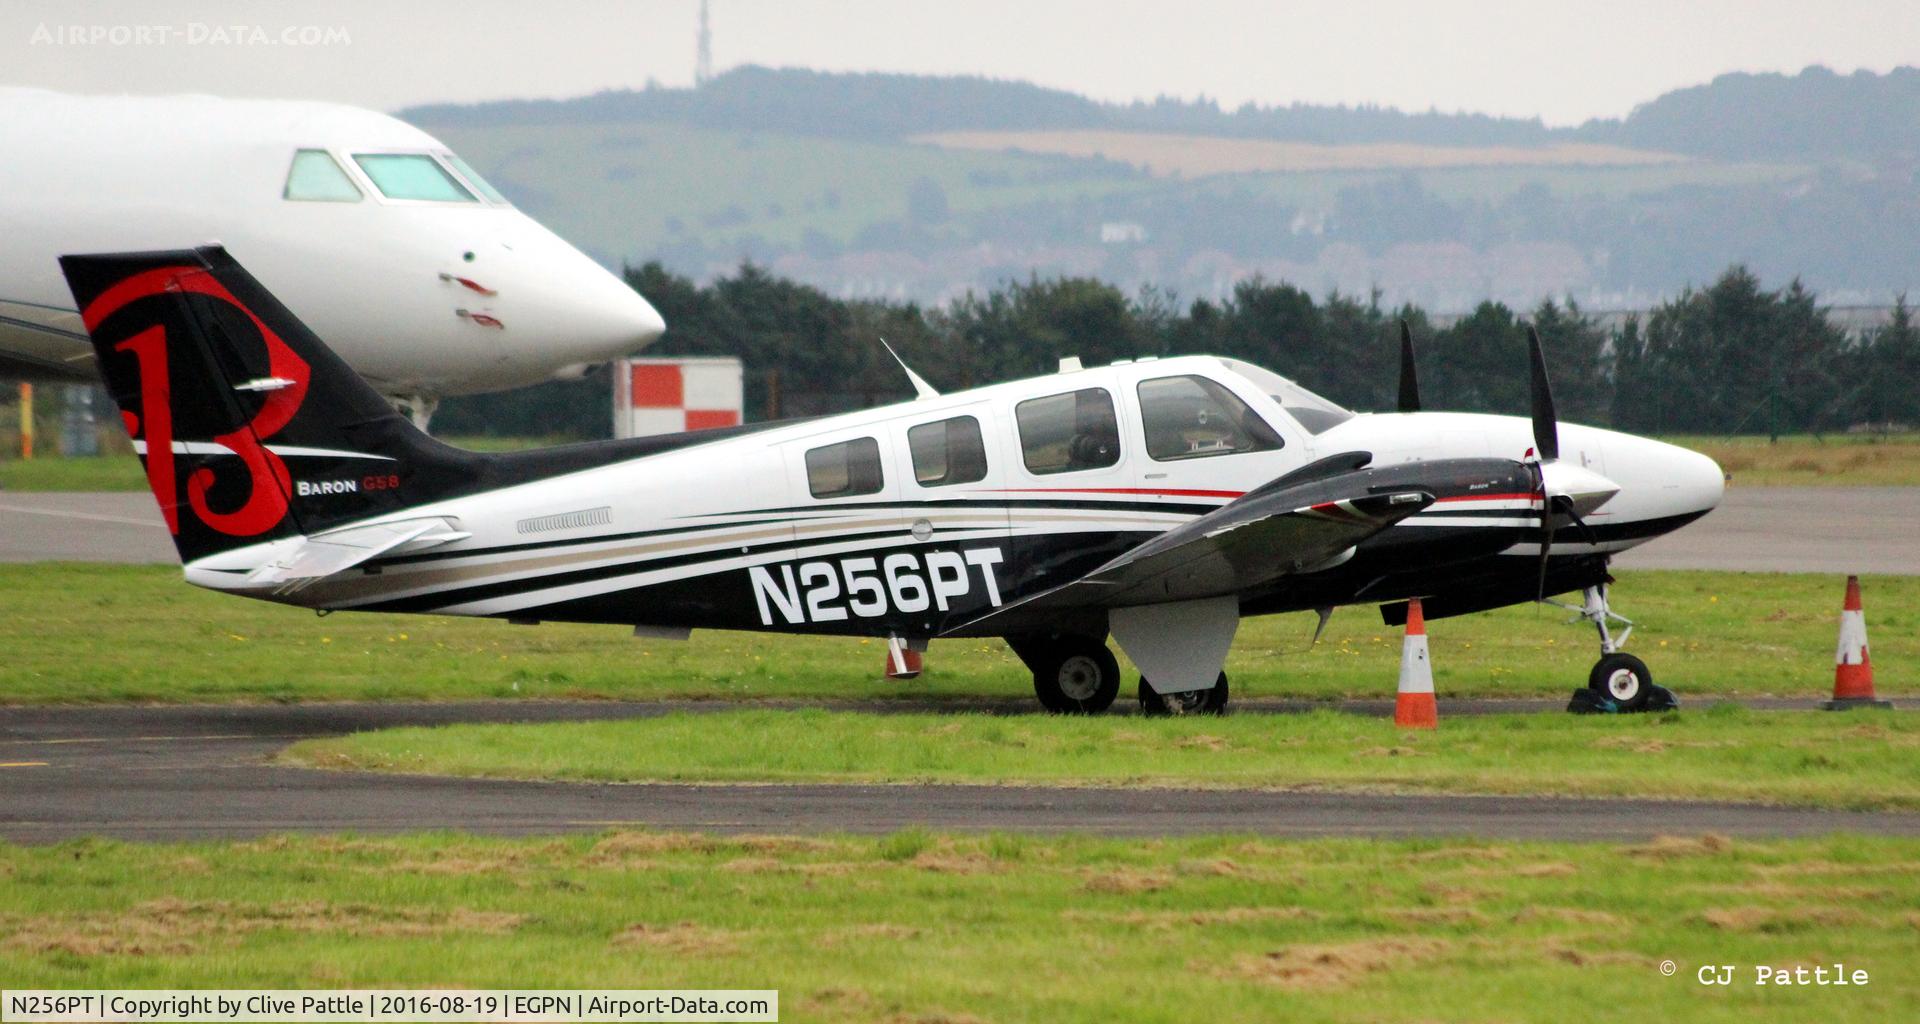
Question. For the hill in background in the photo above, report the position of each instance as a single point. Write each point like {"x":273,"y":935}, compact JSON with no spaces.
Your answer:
{"x":917,"y":187}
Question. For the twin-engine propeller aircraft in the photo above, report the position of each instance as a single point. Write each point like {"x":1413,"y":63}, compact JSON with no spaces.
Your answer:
{"x":1157,"y":501}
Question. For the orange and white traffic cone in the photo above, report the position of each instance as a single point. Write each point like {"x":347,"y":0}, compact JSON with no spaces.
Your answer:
{"x":903,"y":662}
{"x":1413,"y":708}
{"x":1852,"y":669}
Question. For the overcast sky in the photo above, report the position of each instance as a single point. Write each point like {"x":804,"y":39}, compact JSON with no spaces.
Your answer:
{"x":1564,"y":62}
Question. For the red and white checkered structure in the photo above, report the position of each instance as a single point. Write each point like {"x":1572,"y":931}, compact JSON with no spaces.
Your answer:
{"x":667,"y":395}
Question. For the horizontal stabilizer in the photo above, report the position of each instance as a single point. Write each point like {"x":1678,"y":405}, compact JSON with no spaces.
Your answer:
{"x":336,"y":551}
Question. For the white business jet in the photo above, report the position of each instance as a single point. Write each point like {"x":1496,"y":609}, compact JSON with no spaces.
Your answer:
{"x":417,"y":272}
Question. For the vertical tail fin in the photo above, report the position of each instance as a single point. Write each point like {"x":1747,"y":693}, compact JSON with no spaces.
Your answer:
{"x":251,"y":429}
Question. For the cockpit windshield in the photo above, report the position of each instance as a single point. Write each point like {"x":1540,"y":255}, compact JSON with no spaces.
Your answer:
{"x":473,"y":178}
{"x":1314,"y":413}
{"x":412,"y":176}
{"x":316,"y":178}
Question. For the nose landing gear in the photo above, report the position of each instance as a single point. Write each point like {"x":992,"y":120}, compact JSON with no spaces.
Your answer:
{"x":1619,"y":681}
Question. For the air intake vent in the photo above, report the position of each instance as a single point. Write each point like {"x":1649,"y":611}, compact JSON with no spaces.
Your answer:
{"x":566,"y":520}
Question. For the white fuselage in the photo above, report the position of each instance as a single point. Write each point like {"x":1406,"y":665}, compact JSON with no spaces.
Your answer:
{"x":714,"y":511}
{"x":396,"y":286}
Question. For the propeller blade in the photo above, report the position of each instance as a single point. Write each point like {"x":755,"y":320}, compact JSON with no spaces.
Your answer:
{"x":1563,"y":504}
{"x":1558,"y":505}
{"x":1546,"y":527}
{"x":1409,"y":380}
{"x":1546,"y":545}
{"x":1546,"y":426}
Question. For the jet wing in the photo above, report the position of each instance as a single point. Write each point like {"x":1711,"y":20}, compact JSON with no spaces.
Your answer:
{"x":324,"y":554}
{"x":1266,"y":534}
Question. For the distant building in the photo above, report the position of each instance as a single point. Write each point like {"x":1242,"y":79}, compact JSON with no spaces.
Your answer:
{"x":1122,"y":232}
{"x":1308,"y":223}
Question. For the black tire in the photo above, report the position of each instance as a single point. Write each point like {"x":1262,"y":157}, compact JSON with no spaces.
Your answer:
{"x":1211,"y":701}
{"x":1075,"y":676}
{"x":1623,"y":679}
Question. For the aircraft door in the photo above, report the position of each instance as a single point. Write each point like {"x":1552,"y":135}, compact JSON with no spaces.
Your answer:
{"x":1073,"y":487}
{"x":1203,"y":444}
{"x":952,"y":473}
{"x":841,"y":509}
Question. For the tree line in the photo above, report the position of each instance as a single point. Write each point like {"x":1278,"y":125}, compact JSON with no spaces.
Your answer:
{"x":1730,"y":357}
{"x":1736,"y":116}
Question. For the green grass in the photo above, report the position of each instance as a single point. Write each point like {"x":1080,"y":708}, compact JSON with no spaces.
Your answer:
{"x":1491,"y":184}
{"x":112,"y":633}
{"x":927,"y":927}
{"x":52,"y":473}
{"x":1724,"y":753}
{"x":620,"y":188}
{"x":489,"y":443}
{"x":1834,"y":460}
{"x":1479,"y":184}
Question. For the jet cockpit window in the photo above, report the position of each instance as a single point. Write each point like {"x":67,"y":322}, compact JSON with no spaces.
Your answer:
{"x":1191,"y":417}
{"x":948,"y":452}
{"x":1070,"y":432}
{"x":316,"y":178}
{"x":473,"y":178}
{"x":1314,"y":413}
{"x":412,"y":176}
{"x":845,"y":469}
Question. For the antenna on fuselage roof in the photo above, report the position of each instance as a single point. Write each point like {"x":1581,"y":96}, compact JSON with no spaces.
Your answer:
{"x":921,"y":389}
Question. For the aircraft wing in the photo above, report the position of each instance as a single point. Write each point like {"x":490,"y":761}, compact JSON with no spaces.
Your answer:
{"x":1266,"y":534}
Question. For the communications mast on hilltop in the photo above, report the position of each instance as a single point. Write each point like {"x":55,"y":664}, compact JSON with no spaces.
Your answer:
{"x":703,"y":56}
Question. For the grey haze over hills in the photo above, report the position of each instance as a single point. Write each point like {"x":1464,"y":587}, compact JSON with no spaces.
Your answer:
{"x":917,"y":187}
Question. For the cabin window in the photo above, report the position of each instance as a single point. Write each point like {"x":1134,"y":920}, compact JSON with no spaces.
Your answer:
{"x":948,"y":452}
{"x":412,"y":176}
{"x":316,"y":178}
{"x":1070,"y":432}
{"x":473,"y":178}
{"x":1191,"y":417}
{"x":845,"y":469}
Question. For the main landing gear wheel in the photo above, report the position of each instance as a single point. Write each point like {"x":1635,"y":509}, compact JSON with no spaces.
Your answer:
{"x":1075,"y":676}
{"x":1211,"y":701}
{"x":1623,"y":679}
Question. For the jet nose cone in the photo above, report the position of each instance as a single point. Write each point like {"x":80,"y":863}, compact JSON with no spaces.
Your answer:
{"x":608,"y":318}
{"x":574,"y":309}
{"x":635,"y":319}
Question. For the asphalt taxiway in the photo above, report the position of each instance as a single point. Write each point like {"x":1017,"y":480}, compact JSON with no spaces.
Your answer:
{"x":163,"y":773}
